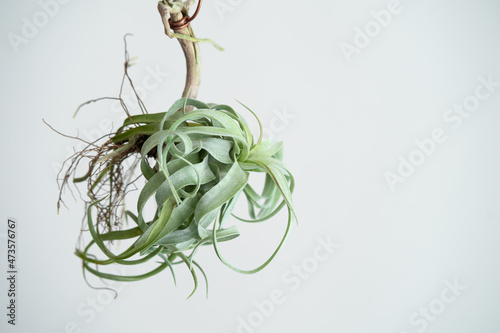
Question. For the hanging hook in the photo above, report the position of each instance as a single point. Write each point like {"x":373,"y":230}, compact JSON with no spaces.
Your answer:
{"x":185,"y":20}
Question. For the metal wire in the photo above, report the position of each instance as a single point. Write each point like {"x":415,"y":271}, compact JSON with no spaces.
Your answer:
{"x":185,"y":20}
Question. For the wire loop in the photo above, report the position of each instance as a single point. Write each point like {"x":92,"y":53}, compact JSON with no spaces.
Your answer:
{"x":185,"y":20}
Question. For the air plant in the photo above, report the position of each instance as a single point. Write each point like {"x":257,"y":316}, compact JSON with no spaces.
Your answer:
{"x":195,"y":160}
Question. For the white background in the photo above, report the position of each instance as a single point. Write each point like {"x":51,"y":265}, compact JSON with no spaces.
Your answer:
{"x":348,"y":124}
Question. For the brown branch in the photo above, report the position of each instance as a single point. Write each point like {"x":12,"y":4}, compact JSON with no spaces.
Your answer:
{"x":190,"y":48}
